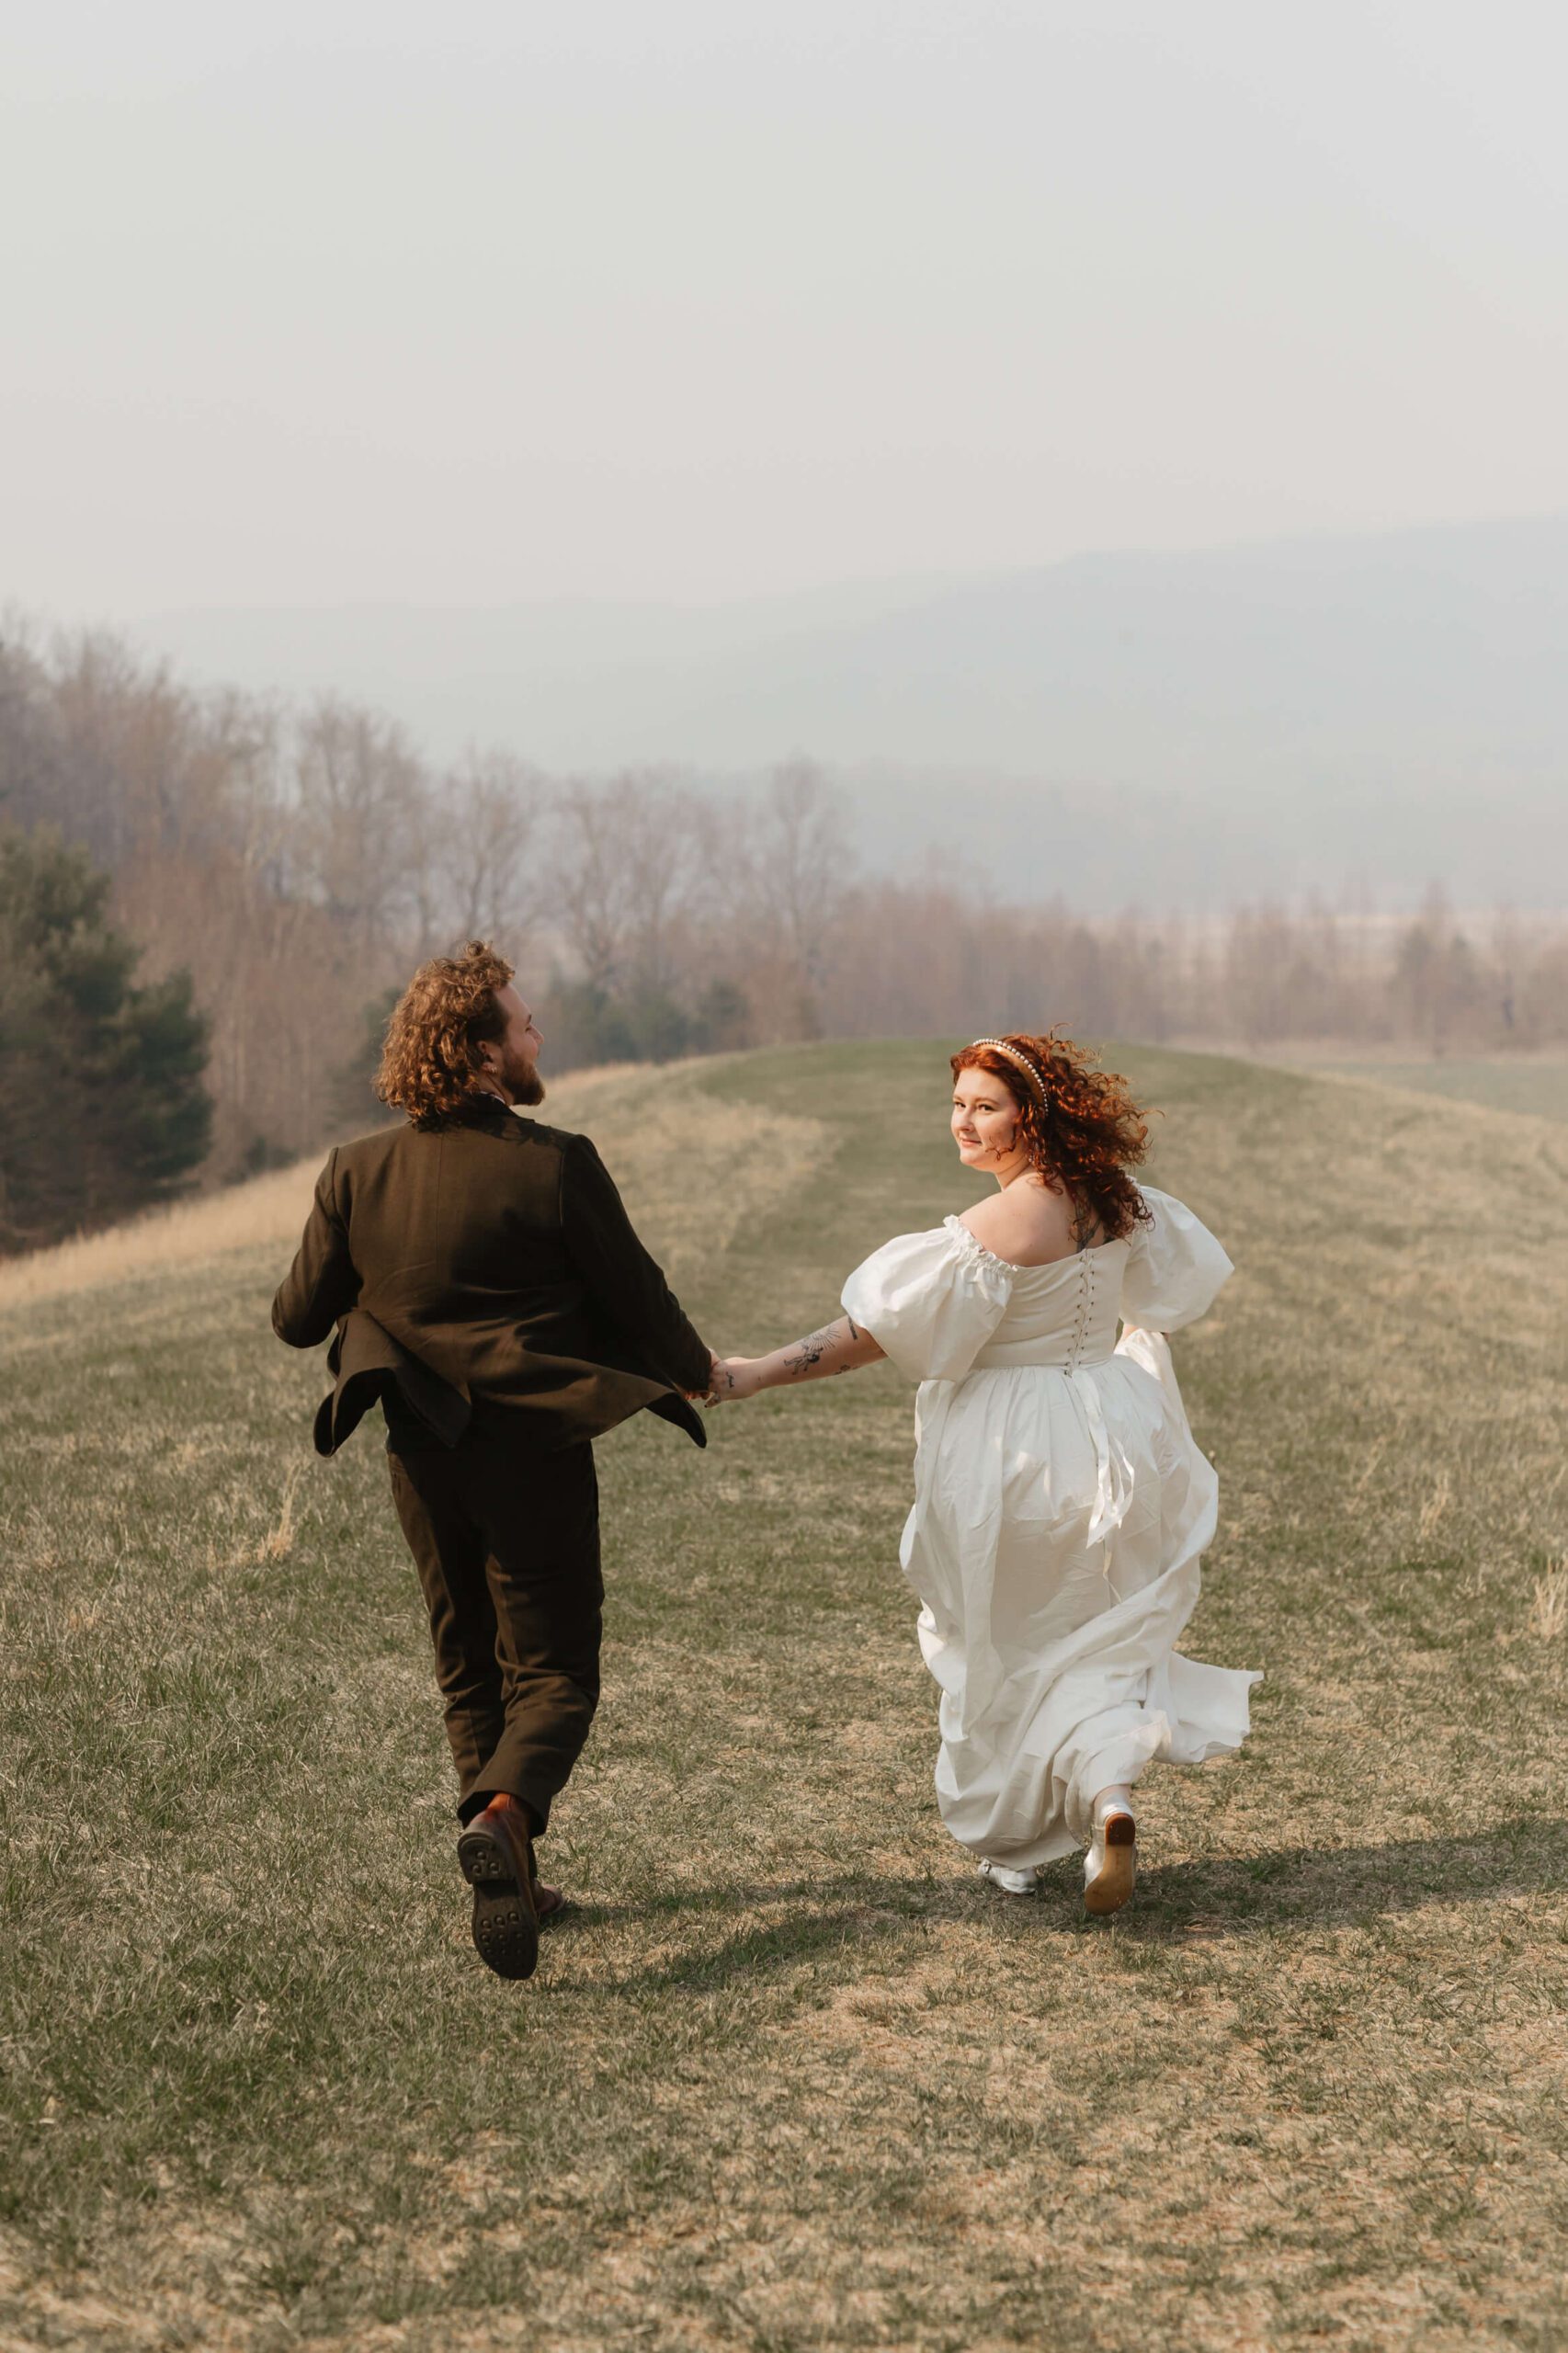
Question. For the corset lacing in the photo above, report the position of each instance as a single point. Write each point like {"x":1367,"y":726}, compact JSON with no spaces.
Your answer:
{"x":1113,"y":1482}
{"x":1084,"y":1321}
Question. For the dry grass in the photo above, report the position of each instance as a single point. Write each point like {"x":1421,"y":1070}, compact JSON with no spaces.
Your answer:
{"x":704,"y":1163}
{"x":793,"y":2080}
{"x":1548,"y":1611}
{"x":268,"y":1212}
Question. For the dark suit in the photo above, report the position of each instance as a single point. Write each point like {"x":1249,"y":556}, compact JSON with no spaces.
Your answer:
{"x":488,"y":1290}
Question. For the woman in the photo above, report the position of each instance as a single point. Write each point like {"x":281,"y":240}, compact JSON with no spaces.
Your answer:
{"x":1061,"y":1505}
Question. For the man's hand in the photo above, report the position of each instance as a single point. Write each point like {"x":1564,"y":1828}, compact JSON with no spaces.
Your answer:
{"x":713,"y":1394}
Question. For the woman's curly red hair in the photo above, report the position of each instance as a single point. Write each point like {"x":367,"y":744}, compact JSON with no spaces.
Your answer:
{"x":448,"y":1011}
{"x":1083,"y":1130}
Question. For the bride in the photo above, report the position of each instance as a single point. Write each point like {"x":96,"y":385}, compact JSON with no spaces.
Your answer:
{"x":1061,"y":1505}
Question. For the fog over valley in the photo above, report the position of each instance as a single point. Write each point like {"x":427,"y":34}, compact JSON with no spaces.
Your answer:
{"x":1357,"y":716}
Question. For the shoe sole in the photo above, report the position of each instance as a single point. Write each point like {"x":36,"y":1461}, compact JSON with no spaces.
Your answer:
{"x":1112,"y":1883}
{"x":505,"y":1931}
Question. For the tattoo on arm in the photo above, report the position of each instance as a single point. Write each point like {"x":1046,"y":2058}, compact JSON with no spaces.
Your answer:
{"x":808,"y":1352}
{"x":842,"y":1346}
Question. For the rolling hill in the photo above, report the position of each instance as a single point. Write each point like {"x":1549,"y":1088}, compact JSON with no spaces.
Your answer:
{"x":793,"y":2076}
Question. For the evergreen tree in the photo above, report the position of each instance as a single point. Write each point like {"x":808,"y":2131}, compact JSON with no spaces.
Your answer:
{"x":102,"y":1106}
{"x":354,"y":1103}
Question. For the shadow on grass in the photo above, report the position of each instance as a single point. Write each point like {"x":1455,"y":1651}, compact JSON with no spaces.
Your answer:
{"x":1210,"y":1899}
{"x":1329,"y":1887}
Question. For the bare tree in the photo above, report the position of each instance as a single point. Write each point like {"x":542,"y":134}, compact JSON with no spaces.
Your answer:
{"x":804,"y":863}
{"x":362,"y":797}
{"x":622,"y":870}
{"x":484,"y":823}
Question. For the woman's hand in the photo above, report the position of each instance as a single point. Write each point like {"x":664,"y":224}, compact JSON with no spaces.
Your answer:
{"x":735,"y":1378}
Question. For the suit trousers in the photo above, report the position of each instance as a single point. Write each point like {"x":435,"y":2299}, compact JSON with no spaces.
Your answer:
{"x":507,"y":1542}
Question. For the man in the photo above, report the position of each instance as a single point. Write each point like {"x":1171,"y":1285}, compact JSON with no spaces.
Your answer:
{"x":489,"y":1291}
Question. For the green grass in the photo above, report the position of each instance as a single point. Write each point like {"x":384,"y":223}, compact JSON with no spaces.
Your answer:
{"x":793,"y":2077}
{"x":1535,"y":1085}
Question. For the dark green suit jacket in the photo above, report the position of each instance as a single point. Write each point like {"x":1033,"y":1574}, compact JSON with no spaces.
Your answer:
{"x":484,"y":1274}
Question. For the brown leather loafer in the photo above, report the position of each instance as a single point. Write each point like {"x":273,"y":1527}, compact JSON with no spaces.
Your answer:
{"x":496,"y":1857}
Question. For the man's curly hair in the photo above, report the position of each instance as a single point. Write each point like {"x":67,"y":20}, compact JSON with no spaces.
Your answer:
{"x":448,"y":1011}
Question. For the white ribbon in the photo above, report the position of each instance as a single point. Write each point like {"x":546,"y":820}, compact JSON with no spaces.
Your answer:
{"x":1113,"y":1472}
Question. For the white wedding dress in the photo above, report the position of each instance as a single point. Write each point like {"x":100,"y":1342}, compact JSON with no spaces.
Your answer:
{"x":1060,"y":1512}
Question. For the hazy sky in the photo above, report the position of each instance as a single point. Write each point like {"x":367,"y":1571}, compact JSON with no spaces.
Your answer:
{"x":703,"y":298}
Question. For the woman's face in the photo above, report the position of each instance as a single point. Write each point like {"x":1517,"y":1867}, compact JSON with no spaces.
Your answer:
{"x":985,"y":1119}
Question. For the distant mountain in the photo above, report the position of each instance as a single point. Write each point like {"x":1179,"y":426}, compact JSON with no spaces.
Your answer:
{"x":1170,"y":729}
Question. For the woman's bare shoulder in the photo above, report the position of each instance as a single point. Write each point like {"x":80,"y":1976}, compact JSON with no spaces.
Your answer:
{"x":986,"y":1219}
{"x":1027,"y":1224}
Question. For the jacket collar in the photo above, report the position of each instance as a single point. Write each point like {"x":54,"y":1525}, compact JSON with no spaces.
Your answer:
{"x":481,"y":1109}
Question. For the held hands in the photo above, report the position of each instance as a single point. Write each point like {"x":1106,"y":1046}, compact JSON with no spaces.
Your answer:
{"x":728,"y":1379}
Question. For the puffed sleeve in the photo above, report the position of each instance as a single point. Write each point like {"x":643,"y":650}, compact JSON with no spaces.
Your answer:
{"x":1175,"y":1270}
{"x":931,"y":1299}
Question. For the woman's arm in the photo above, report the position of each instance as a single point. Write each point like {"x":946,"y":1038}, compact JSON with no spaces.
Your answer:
{"x":842,"y":1347}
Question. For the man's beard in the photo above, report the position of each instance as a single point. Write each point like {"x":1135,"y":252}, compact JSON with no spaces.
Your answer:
{"x":522,"y":1081}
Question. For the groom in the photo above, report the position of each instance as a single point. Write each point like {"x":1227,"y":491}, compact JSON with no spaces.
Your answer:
{"x":488,"y":1290}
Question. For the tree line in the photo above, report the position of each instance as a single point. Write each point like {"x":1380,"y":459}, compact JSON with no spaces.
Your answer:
{"x":261,"y":875}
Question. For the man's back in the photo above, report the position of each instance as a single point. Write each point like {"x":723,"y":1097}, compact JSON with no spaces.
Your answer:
{"x":496,"y":1252}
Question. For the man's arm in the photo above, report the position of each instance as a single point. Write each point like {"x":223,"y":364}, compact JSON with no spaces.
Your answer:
{"x":626,"y":1284}
{"x":322,"y":1284}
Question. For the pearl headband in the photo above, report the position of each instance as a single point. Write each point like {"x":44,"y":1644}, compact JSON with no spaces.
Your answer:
{"x":1036,"y":1083}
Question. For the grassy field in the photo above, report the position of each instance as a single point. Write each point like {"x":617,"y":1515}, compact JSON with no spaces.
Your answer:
{"x":793,"y":2077}
{"x":1536,"y":1084}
